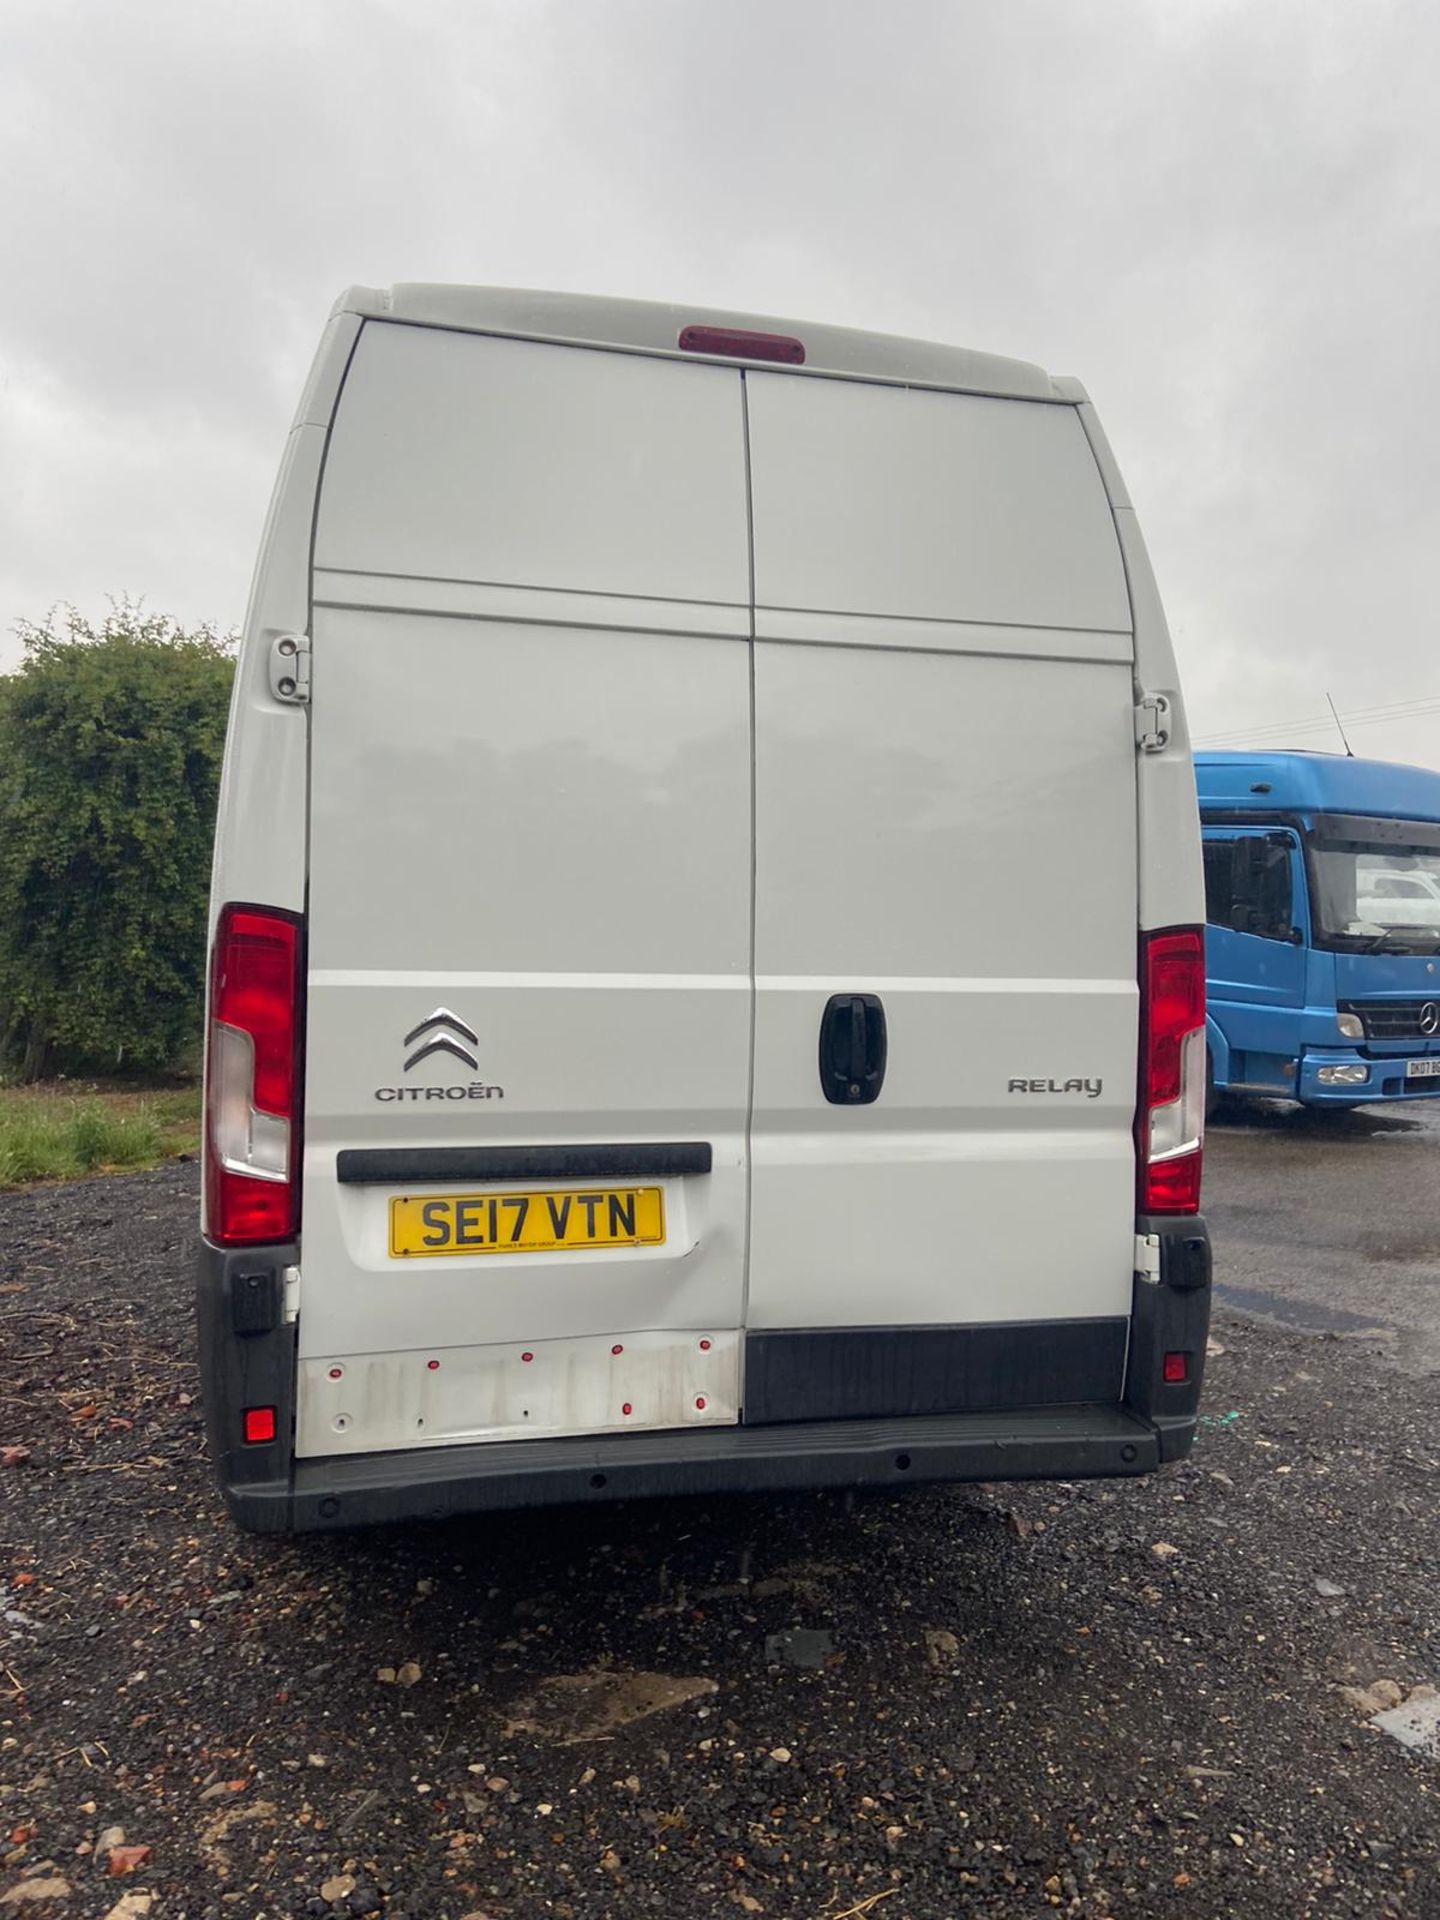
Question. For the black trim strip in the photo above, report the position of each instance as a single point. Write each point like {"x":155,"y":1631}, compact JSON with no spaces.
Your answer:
{"x":1350,"y":830}
{"x":840,"y":1373}
{"x":410,"y":1166}
{"x":1324,"y":828}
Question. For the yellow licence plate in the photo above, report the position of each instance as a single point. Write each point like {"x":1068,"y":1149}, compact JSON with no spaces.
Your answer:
{"x":526,"y":1222}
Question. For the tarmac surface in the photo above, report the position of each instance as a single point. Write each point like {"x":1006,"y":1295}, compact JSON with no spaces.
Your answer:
{"x":1120,"y":1701}
{"x":1331,"y":1221}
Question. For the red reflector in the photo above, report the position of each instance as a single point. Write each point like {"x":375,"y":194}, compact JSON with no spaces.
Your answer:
{"x":259,"y":1425}
{"x":1175,"y":1369}
{"x":1170,"y":1119}
{"x":1172,"y":1186}
{"x":252,"y":1126}
{"x":737,"y":344}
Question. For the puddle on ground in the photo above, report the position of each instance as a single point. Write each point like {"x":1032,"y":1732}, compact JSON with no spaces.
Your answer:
{"x":1321,"y":1125}
{"x":1422,"y":1250}
{"x":807,"y":1647}
{"x":1313,"y":1315}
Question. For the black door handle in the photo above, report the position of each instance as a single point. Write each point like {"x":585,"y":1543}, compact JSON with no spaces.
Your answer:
{"x":853,"y":1047}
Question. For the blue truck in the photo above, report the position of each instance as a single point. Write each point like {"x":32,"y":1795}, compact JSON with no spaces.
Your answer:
{"x":1322,"y":942}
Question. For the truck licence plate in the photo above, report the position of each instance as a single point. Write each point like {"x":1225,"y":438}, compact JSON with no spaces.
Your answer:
{"x":1423,"y":1069}
{"x":569,"y":1221}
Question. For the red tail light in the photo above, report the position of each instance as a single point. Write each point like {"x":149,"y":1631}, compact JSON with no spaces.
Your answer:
{"x":1170,"y":1124}
{"x":252,"y":1079}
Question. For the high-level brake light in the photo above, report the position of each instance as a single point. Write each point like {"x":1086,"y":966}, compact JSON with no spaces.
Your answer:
{"x":737,"y":343}
{"x":1170,"y":1124}
{"x":252,"y":1117}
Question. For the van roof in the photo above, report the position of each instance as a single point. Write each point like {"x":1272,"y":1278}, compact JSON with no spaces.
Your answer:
{"x":647,"y":326}
{"x":1302,"y":782}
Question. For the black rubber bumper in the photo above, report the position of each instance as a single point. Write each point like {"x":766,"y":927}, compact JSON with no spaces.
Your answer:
{"x":1076,"y":1400}
{"x":438,"y":1483}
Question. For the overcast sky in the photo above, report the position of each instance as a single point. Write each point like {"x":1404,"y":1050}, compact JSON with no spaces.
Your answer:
{"x":1222,"y":217}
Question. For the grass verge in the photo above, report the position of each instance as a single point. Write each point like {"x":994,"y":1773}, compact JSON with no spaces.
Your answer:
{"x":61,"y":1130}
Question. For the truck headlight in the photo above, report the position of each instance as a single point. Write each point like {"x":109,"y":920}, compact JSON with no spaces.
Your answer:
{"x":1351,"y":1026}
{"x":1343,"y":1076}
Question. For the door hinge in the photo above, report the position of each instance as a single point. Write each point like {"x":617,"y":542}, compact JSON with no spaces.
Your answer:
{"x":1147,"y":1258}
{"x":290,"y":1301}
{"x":290,"y":668}
{"x":1152,"y":722}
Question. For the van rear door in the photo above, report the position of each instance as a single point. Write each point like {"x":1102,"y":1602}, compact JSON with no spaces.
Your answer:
{"x":529,"y":993}
{"x":946,"y":841}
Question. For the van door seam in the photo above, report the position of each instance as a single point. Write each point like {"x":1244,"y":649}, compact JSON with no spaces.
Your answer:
{"x":754,"y":844}
{"x":309,"y":711}
{"x":308,"y":721}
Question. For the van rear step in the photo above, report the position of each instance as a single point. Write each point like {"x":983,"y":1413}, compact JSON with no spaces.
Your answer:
{"x":1072,"y":1443}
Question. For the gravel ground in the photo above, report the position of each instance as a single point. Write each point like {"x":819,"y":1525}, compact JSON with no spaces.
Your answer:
{"x":1103,"y":1700}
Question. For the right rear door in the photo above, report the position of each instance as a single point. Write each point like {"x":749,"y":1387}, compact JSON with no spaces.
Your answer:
{"x":945,"y":821}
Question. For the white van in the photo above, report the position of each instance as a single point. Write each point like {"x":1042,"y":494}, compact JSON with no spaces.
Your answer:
{"x":635,"y":1064}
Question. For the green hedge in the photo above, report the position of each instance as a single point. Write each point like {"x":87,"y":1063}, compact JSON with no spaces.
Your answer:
{"x":110,"y":746}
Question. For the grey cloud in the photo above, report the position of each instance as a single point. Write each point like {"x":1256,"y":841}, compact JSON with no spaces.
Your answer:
{"x":1222,"y":218}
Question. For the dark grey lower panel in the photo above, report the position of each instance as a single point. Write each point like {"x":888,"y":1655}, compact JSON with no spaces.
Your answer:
{"x":834,"y":1373}
{"x":1069,"y":1444}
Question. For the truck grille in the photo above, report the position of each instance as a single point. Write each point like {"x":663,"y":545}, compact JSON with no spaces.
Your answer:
{"x":1397,"y":1019}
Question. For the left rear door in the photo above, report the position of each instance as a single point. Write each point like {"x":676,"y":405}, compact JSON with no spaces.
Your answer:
{"x":530,"y":828}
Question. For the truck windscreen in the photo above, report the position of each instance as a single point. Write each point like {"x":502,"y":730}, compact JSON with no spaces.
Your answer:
{"x":1380,"y":894}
